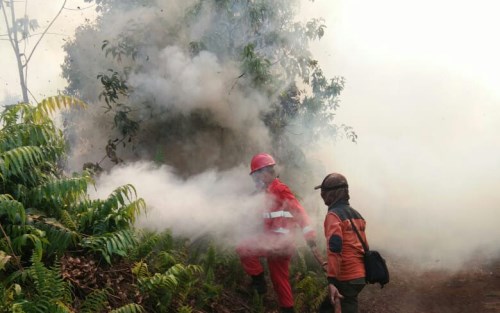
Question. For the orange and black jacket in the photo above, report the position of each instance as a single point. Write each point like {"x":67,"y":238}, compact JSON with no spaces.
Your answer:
{"x":344,"y":250}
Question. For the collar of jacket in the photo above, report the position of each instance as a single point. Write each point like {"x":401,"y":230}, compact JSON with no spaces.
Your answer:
{"x":338,"y":204}
{"x":272,"y":184}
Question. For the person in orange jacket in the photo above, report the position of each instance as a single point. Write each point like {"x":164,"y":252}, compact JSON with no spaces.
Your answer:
{"x":276,"y":243}
{"x":345,"y":266}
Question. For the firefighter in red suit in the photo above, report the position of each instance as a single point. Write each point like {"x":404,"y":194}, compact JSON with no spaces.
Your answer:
{"x":282,"y":215}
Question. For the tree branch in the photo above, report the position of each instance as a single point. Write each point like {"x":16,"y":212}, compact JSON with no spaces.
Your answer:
{"x":45,"y":31}
{"x":8,"y":28}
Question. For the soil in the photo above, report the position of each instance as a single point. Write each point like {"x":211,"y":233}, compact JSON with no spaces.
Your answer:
{"x":474,"y":290}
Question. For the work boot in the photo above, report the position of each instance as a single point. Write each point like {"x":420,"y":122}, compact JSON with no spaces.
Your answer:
{"x":259,"y":283}
{"x":287,"y":310}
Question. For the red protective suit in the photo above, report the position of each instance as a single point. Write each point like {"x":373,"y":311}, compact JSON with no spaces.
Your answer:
{"x":276,"y":242}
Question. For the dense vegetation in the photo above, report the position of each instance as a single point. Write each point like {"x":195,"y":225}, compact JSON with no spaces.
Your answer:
{"x":61,"y":251}
{"x":223,"y":78}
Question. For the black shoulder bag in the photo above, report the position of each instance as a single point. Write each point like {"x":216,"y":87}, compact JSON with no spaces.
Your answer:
{"x":375,"y":267}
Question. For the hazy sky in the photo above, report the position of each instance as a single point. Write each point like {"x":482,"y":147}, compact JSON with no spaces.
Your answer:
{"x":44,"y":76}
{"x":421,"y":94}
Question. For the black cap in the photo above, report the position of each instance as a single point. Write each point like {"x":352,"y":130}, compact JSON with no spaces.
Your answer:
{"x":333,"y":181}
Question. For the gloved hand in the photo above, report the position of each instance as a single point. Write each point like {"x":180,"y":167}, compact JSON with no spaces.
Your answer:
{"x":317,"y":254}
{"x":335,"y":297}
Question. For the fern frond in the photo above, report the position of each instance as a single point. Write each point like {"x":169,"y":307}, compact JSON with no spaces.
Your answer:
{"x":61,"y":191}
{"x":27,"y":134}
{"x":12,"y":114}
{"x":51,"y":292}
{"x":19,"y":160}
{"x":122,"y":193}
{"x":55,"y":103}
{"x":95,"y":302}
{"x":177,"y":275}
{"x":129,"y":308}
{"x":311,"y":291}
{"x":146,"y":245}
{"x":68,"y":221}
{"x":186,"y":309}
{"x":134,"y":208}
{"x":182,"y":271}
{"x":13,"y":209}
{"x":166,"y":260}
{"x":107,"y":245}
{"x":158,"y":281}
{"x":35,"y":237}
{"x":140,"y":270}
{"x":117,"y":212}
{"x":59,"y":237}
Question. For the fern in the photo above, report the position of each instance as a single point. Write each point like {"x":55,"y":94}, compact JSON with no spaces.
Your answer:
{"x":60,"y":192}
{"x":17,"y":161}
{"x":23,"y":134}
{"x":165,"y":260}
{"x":12,"y":209}
{"x":117,"y":212}
{"x":158,"y":281}
{"x":120,"y":194}
{"x":175,"y":284}
{"x":109,"y":244}
{"x":140,"y":270}
{"x":68,"y":221}
{"x":52,"y":104}
{"x":37,"y":242}
{"x":311,"y":292}
{"x":185,"y":309}
{"x":129,"y":308}
{"x":146,"y":245}
{"x":59,"y":237}
{"x":50,"y":293}
{"x":95,"y":302}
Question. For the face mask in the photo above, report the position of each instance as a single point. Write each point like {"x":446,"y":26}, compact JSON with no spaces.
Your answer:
{"x":259,"y":183}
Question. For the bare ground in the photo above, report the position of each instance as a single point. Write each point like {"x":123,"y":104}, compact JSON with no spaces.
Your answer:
{"x":475,"y":289}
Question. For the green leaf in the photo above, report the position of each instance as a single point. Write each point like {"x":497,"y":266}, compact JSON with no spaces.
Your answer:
{"x":4,"y":259}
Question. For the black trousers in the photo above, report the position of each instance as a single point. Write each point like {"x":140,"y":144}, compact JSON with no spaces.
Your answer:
{"x":350,"y":290}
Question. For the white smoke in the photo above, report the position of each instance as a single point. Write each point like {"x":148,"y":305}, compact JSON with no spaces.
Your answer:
{"x":166,"y":78}
{"x":218,"y":204}
{"x":424,"y":172}
{"x":187,"y":83}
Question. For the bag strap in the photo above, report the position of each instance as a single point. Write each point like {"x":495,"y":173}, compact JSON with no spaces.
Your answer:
{"x":365,"y":247}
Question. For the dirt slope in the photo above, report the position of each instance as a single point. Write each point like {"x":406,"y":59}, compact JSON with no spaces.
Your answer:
{"x":475,"y":290}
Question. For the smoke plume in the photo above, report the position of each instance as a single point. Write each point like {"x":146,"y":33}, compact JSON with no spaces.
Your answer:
{"x":222,"y":205}
{"x":425,"y":196}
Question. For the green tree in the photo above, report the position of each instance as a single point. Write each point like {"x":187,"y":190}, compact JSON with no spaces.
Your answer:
{"x":160,"y":69}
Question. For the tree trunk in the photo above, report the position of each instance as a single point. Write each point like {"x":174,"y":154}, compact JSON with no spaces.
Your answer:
{"x":15,"y":46}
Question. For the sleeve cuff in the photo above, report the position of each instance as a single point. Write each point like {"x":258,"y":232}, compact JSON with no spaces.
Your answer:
{"x":311,"y":243}
{"x":332,"y":280}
